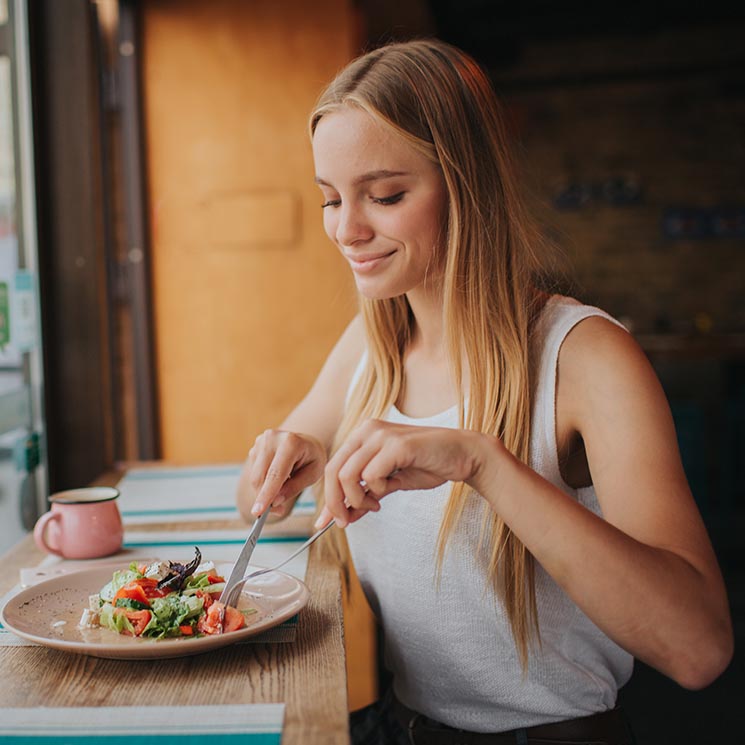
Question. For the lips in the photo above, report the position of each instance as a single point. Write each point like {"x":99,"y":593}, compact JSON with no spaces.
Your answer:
{"x":368,"y":262}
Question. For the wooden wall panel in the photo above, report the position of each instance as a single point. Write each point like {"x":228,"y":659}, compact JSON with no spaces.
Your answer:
{"x":249,"y":294}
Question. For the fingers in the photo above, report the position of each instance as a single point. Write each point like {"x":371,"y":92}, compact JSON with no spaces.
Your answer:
{"x":279,"y":466}
{"x":353,"y":486}
{"x":323,"y":519}
{"x":381,"y":457}
{"x":348,"y":495}
{"x":300,"y":479}
{"x":326,"y":517}
{"x":277,"y":473}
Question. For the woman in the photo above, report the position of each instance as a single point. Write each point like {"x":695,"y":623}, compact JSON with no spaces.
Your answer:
{"x":503,"y":462}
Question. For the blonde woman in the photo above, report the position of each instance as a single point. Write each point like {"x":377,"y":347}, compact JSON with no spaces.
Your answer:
{"x":502,"y":463}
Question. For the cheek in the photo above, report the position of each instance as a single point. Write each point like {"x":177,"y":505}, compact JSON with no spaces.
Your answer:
{"x":429,"y":230}
{"x":329,"y":224}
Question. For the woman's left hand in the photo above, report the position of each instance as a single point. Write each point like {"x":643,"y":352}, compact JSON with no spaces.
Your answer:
{"x":380,"y":457}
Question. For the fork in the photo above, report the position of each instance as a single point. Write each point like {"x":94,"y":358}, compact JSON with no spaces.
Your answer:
{"x":235,"y":590}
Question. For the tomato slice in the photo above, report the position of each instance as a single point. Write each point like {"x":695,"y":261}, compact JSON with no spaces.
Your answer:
{"x":142,"y":590}
{"x":131,"y":591}
{"x":150,"y":586}
{"x":213,"y":580}
{"x":138,"y":618}
{"x":210,"y":623}
{"x":207,"y":599}
{"x":234,"y":619}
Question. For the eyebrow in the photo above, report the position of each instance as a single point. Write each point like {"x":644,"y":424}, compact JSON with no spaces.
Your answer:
{"x":365,"y":177}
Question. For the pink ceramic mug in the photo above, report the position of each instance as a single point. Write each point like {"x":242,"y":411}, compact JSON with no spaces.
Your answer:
{"x":82,"y":524}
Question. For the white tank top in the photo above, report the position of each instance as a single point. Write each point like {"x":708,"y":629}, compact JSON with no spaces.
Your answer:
{"x":450,"y":649}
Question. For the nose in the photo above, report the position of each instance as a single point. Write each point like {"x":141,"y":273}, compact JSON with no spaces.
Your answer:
{"x":352,"y":225}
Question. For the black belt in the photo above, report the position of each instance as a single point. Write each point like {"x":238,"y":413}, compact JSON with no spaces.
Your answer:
{"x":606,"y":728}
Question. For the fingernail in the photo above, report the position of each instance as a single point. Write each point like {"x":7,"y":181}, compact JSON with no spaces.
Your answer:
{"x":256,"y":509}
{"x":317,"y":524}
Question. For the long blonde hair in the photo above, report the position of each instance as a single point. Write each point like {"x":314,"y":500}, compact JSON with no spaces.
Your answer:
{"x":440,"y":101}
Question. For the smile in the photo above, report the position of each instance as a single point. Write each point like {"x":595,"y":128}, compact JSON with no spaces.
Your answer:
{"x":365,"y":264}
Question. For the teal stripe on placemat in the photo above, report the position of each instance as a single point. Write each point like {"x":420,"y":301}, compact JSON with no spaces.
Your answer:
{"x":251,"y":738}
{"x":216,"y":542}
{"x":189,"y":510}
{"x":178,"y":511}
{"x":177,"y":473}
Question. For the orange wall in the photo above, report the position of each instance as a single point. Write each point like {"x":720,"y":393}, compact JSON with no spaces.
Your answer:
{"x":249,"y":294}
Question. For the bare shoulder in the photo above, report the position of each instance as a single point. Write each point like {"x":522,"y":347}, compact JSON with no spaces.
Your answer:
{"x":598,"y":330}
{"x":599,"y":357}
{"x":609,"y":393}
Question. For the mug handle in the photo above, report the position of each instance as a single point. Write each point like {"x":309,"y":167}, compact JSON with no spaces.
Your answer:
{"x":40,"y":533}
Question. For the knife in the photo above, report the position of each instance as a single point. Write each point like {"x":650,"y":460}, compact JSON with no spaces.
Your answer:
{"x":245,"y":555}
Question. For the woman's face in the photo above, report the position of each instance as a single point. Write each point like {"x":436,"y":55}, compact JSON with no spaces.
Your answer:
{"x":383,"y":203}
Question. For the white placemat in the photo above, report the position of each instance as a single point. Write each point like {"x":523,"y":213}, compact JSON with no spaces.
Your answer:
{"x":215,"y":545}
{"x":167,"y":494}
{"x":244,"y":724}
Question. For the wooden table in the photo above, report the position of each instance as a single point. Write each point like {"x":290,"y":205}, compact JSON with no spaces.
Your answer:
{"x":308,"y":675}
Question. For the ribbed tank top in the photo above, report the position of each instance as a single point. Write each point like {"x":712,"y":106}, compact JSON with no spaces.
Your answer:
{"x":450,"y":648}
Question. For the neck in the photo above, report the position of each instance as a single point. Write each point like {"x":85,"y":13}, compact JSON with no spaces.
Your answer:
{"x":429,"y":331}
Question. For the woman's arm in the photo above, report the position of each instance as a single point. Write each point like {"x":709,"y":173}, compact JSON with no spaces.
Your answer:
{"x":283,"y":461}
{"x":646,"y":574}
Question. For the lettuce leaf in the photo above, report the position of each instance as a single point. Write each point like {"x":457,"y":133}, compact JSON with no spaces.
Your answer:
{"x":115,"y":621}
{"x":170,"y":612}
{"x":121,"y":577}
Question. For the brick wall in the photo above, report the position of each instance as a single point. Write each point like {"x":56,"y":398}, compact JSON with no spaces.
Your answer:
{"x":634,"y":152}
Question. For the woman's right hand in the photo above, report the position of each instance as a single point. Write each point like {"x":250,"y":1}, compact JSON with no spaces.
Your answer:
{"x":278,"y":467}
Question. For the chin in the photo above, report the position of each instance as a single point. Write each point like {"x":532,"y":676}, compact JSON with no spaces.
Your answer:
{"x":371,"y":292}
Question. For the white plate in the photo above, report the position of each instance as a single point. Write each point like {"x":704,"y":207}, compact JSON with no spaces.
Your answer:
{"x":48,"y":613}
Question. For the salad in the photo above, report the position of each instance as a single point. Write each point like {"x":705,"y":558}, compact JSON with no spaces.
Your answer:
{"x":164,"y":600}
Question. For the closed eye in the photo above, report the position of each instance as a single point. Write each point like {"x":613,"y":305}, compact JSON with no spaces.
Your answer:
{"x":389,"y":200}
{"x":331,"y":203}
